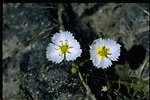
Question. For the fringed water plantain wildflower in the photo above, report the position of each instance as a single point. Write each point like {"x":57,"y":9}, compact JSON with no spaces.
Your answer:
{"x":103,"y":51}
{"x":63,"y":47}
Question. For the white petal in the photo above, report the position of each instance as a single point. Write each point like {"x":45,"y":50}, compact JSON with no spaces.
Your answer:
{"x":96,"y":61}
{"x":74,"y":53}
{"x":94,"y":57}
{"x":75,"y":50}
{"x":114,"y":56}
{"x":105,"y":63}
{"x":62,"y":36}
{"x":52,"y":54}
{"x":101,"y":42}
{"x":113,"y":47}
{"x":114,"y":51}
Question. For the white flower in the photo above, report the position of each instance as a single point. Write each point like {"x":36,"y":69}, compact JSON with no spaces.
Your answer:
{"x":63,"y":46}
{"x":103,"y":51}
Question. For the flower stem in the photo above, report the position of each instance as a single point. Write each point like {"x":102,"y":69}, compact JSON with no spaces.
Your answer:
{"x":107,"y":79}
{"x":143,"y":66}
{"x":60,"y":11}
{"x":89,"y":93}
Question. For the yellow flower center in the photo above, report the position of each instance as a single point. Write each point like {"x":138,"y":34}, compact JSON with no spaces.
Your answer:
{"x":103,"y":52}
{"x":64,"y":48}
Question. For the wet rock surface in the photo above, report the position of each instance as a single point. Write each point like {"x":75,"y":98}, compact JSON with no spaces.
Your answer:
{"x":28,"y":28}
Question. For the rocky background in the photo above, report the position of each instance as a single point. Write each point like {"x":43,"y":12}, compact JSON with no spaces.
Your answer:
{"x":28,"y":28}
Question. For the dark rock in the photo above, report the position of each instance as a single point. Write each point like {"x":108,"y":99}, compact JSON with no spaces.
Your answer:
{"x":28,"y":28}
